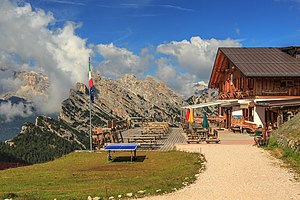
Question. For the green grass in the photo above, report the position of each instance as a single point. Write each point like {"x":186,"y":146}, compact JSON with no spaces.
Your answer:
{"x":291,"y":158}
{"x":79,"y":175}
{"x":291,"y":130}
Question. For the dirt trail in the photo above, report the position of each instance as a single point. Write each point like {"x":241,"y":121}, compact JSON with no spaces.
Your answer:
{"x":237,"y":170}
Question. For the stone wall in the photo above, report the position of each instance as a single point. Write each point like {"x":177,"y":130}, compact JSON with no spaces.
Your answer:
{"x":285,"y":142}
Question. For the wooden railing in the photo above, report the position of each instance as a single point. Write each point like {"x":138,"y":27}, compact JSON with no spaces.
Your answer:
{"x":275,"y":92}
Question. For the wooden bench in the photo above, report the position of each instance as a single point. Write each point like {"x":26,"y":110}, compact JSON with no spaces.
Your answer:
{"x":193,"y":138}
{"x":147,"y":132}
{"x":142,"y":140}
{"x":236,"y":129}
{"x":152,"y":130}
{"x":153,"y":137}
{"x":156,"y":136}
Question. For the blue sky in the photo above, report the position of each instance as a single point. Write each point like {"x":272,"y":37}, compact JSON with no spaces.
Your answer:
{"x":173,"y":41}
{"x":136,"y":24}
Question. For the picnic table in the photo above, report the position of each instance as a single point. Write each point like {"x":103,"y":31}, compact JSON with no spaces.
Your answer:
{"x":145,"y":132}
{"x":202,"y":133}
{"x":157,"y":130}
{"x":121,"y":147}
{"x":145,"y":137}
{"x":142,"y":140}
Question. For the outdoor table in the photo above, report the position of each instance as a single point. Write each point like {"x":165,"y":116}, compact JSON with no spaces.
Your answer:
{"x":122,"y":147}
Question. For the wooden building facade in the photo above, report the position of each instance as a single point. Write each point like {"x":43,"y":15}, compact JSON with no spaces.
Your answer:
{"x":265,"y":82}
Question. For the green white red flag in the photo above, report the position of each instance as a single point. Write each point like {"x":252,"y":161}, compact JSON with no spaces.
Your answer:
{"x":91,"y":84}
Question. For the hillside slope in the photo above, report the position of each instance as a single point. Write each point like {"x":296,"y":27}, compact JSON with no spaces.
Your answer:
{"x":288,"y":135}
{"x":38,"y":143}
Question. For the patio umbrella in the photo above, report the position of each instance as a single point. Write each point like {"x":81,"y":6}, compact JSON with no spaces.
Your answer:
{"x":205,"y":121}
{"x":191,"y":117}
{"x":187,"y":115}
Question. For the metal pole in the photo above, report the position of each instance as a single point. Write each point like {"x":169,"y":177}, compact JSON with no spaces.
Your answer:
{"x":90,"y":116}
{"x":90,"y":125}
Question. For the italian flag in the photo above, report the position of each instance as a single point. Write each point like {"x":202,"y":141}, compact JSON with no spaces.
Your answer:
{"x":91,"y":83}
{"x":90,"y":77}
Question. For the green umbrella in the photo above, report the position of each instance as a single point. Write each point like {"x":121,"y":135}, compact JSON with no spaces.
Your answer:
{"x":205,"y":121}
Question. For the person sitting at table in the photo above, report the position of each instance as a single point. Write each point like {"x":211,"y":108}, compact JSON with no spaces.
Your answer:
{"x":258,"y":134}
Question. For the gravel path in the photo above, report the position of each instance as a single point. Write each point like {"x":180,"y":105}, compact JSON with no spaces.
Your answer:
{"x":237,"y":170}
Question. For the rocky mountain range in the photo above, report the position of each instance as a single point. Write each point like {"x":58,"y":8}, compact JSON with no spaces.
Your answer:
{"x":32,"y":84}
{"x":120,"y":99}
{"x":206,"y":95}
{"x":114,"y":99}
{"x":200,"y":88}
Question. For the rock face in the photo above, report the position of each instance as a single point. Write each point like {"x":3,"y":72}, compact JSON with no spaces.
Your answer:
{"x":206,"y":95}
{"x":34,"y":84}
{"x":56,"y":127}
{"x":200,"y":87}
{"x":118,"y":99}
{"x":61,"y":129}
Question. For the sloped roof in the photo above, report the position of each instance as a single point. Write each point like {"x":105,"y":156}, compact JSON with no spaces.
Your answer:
{"x":263,"y":62}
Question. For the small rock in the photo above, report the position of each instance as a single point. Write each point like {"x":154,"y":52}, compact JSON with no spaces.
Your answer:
{"x":186,"y":178}
{"x":110,"y":198}
{"x":159,"y":190}
{"x":141,"y":192}
{"x":129,"y":194}
{"x":119,"y":196}
{"x":89,"y":198}
{"x":96,"y":198}
{"x":185,"y":183}
{"x":174,"y":189}
{"x":196,"y":175}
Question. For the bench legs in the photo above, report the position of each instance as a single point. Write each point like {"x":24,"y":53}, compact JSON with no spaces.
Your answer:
{"x":109,"y":157}
{"x":132,"y":156}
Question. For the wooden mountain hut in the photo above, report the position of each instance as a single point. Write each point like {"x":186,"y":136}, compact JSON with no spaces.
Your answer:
{"x":261,"y":83}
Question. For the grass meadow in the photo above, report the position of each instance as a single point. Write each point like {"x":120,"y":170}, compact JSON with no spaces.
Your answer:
{"x":79,"y":175}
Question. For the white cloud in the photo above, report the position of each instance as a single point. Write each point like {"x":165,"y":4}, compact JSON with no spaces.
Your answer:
{"x":63,"y":56}
{"x":66,"y":2}
{"x":182,"y":83}
{"x":120,"y":61}
{"x":59,"y":53}
{"x":8,"y":111}
{"x":197,"y":55}
{"x":8,"y":83}
{"x":186,"y":62}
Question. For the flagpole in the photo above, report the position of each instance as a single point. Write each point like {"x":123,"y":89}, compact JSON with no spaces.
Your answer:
{"x":90,"y":115}
{"x":90,"y":125}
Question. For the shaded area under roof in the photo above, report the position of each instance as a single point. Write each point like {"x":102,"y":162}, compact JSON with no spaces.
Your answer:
{"x":263,"y":62}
